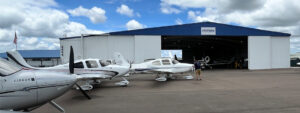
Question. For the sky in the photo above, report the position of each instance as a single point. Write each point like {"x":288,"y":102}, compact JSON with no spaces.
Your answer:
{"x":171,"y":53}
{"x":40,"y":23}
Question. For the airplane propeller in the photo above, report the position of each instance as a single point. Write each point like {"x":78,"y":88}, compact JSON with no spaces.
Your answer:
{"x":71,"y":61}
{"x":71,"y":69}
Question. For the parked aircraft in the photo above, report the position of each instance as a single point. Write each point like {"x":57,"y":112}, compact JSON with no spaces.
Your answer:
{"x":24,"y":89}
{"x":165,"y":68}
{"x":86,"y":67}
{"x":208,"y":63}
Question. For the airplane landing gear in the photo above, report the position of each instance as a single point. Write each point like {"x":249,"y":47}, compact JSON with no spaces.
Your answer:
{"x":161,"y":78}
{"x":86,"y":87}
{"x":57,"y":106}
{"x":125,"y":82}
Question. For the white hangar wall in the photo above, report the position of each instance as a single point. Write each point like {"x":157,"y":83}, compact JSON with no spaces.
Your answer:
{"x":147,"y":47}
{"x":267,"y":52}
{"x":134,"y":47}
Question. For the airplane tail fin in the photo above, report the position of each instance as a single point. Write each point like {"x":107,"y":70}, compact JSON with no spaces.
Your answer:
{"x":15,"y":57}
{"x":120,"y":60}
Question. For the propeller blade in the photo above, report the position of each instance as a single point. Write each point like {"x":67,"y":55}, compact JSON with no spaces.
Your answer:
{"x":83,"y":92}
{"x":175,"y":57}
{"x":71,"y":60}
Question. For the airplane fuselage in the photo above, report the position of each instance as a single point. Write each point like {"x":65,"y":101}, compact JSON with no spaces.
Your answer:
{"x":157,"y":66}
{"x":109,"y":70}
{"x":32,"y":87}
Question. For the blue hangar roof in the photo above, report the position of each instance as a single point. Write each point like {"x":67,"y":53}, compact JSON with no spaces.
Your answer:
{"x":194,"y":29}
{"x":36,"y":54}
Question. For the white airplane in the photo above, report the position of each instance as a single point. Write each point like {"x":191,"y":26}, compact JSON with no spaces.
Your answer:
{"x":86,"y":67}
{"x":25,"y":89}
{"x":166,"y":67}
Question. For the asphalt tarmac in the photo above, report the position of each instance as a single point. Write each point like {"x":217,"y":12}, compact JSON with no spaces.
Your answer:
{"x":220,"y":91}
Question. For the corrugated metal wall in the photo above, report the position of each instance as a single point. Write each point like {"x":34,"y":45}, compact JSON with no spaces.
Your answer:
{"x":265,"y":52}
{"x":137,"y":48}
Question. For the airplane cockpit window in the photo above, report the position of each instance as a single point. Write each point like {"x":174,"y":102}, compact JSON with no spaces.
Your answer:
{"x":157,"y":62}
{"x":7,"y":68}
{"x":103,"y":63}
{"x":166,"y":62}
{"x":175,"y":62}
{"x":78,"y":65}
{"x":91,"y":64}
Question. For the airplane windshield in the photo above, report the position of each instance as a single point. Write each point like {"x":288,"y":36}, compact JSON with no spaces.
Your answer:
{"x":78,"y":65}
{"x":91,"y":64}
{"x":103,"y":64}
{"x":157,"y":62}
{"x":7,"y":68}
{"x":175,"y":62}
{"x":166,"y":62}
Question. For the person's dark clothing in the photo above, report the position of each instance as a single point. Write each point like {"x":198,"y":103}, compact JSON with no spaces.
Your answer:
{"x":197,"y":65}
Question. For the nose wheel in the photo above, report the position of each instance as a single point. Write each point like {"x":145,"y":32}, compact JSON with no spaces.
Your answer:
{"x":161,"y":78}
{"x":85,"y":87}
{"x":124,"y":83}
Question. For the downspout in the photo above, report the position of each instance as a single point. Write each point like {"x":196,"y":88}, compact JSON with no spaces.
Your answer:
{"x":82,"y":46}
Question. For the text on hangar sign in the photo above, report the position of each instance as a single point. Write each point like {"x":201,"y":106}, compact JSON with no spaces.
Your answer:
{"x":208,"y":30}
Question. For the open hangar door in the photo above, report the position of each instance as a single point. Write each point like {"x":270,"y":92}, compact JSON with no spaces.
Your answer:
{"x":223,"y":51}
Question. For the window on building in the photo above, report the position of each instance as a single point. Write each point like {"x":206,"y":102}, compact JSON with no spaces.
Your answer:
{"x":46,"y":59}
{"x":157,"y":62}
{"x":166,"y":62}
{"x":36,"y":59}
{"x":78,"y":65}
{"x":91,"y":64}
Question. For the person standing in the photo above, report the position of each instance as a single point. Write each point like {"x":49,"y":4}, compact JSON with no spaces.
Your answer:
{"x":197,"y":65}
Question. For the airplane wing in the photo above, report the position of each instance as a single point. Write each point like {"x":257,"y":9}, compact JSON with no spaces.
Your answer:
{"x":166,"y":71}
{"x":2,"y":111}
{"x":153,"y":70}
{"x":92,"y":76}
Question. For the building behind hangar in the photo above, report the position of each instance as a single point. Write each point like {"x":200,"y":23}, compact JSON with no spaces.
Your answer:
{"x":39,"y":58}
{"x":262,"y":49}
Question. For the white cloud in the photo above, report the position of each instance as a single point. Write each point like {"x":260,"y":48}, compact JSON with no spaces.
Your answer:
{"x":133,"y":24}
{"x":178,"y":21}
{"x":168,"y":9}
{"x":95,"y":14}
{"x":36,"y":21}
{"x":208,"y":15}
{"x":125,"y":10}
{"x":222,"y":5}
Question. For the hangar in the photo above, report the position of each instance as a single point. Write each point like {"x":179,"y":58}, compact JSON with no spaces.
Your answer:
{"x":221,"y":42}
